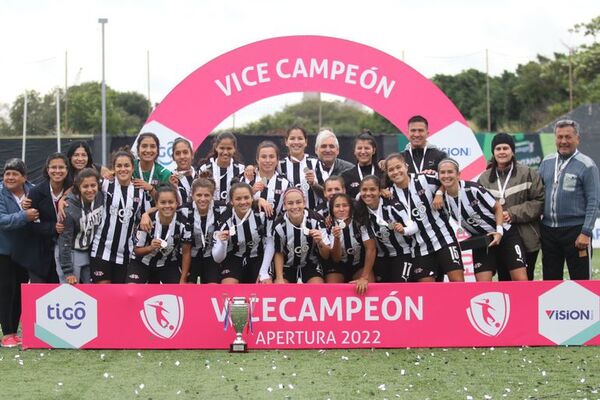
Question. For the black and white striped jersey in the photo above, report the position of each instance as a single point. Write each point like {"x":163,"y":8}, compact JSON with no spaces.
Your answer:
{"x":298,"y":248}
{"x":352,"y":242}
{"x":434,"y":229}
{"x":323,"y":209}
{"x":389,"y":242}
{"x":476,"y":207}
{"x":174,"y":235}
{"x":250,"y":234}
{"x":203,"y":227}
{"x":294,"y":172}
{"x":222,"y":176}
{"x":184,"y":185}
{"x":273,"y":191}
{"x":123,"y":207}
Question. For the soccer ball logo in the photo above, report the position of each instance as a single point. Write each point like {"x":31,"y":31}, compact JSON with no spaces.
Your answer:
{"x":163,"y":315}
{"x":489,"y":313}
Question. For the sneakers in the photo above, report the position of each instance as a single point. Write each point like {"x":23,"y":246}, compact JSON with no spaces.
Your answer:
{"x":10,"y":341}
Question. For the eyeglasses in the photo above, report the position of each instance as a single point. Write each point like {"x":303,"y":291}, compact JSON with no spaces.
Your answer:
{"x":567,"y":122}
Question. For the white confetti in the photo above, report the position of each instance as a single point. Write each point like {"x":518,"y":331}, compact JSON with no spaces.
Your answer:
{"x":322,"y":351}
{"x":140,"y":355}
{"x":274,"y":367}
{"x":465,"y":389}
{"x":241,"y":369}
{"x":178,"y":392}
{"x":59,"y":383}
{"x":344,"y":358}
{"x":177,"y":363}
{"x":269,"y":389}
{"x":142,"y":386}
{"x":469,"y":397}
{"x":543,"y":373}
{"x":17,"y":356}
{"x":402,"y":372}
{"x":105,"y":375}
{"x":487,"y":396}
{"x":208,"y":367}
{"x":381,"y":387}
{"x":135,"y":391}
{"x":102,"y":356}
{"x":582,"y":380}
{"x":507,"y":389}
{"x":42,"y":354}
{"x":293,"y":374}
{"x":280,"y":386}
{"x":387,"y":354}
{"x":290,"y":386}
{"x":160,"y":363}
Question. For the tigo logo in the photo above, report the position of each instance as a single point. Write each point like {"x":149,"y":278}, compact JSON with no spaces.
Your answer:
{"x":568,"y":314}
{"x":66,"y":317}
{"x":163,"y":315}
{"x":489,"y":313}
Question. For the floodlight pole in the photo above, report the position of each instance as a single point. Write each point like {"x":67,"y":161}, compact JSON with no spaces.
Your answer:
{"x":103,"y":21}
{"x":23,"y":147}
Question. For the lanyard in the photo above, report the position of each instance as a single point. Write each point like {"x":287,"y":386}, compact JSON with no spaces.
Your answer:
{"x":452,"y":208}
{"x":171,"y":226}
{"x":417,"y":171}
{"x":215,"y":168}
{"x":302,"y":227}
{"x":502,"y":188}
{"x":378,"y":215}
{"x":405,"y":200}
{"x":56,"y":199}
{"x":330,"y":169}
{"x":294,"y":159}
{"x":360,"y":174}
{"x":198,"y":221}
{"x":558,"y":171}
{"x":142,"y":173}
{"x":234,"y":225}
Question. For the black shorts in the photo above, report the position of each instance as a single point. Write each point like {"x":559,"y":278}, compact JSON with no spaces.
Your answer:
{"x":245,"y":270}
{"x":306,"y":273}
{"x":509,"y":254}
{"x":445,"y":260}
{"x":206,"y":269}
{"x":402,"y":268}
{"x":138,"y":272}
{"x":107,"y":271}
{"x":346,"y":269}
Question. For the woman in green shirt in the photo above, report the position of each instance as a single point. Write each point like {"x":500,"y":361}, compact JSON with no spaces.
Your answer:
{"x":147,"y":172}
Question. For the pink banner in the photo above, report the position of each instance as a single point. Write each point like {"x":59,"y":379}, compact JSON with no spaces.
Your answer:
{"x":288,"y":64}
{"x":313,"y":316}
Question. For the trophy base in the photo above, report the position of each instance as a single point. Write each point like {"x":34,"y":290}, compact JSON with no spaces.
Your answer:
{"x":238,"y":348}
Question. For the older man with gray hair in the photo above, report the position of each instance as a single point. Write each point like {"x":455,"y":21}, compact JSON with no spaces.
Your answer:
{"x":327,"y":149}
{"x":572,"y":195}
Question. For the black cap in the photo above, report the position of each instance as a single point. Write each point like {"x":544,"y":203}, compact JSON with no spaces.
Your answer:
{"x":16,"y":164}
{"x":503,"y":138}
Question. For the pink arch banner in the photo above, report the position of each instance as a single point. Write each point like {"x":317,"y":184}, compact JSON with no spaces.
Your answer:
{"x":312,"y":64}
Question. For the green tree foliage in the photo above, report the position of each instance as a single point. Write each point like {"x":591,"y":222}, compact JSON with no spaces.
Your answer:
{"x":125,"y":111}
{"x":336,"y":115}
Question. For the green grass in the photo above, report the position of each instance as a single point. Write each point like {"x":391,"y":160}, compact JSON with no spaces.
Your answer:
{"x":499,"y":373}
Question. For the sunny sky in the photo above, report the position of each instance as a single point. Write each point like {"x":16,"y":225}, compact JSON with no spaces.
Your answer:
{"x":431,"y":36}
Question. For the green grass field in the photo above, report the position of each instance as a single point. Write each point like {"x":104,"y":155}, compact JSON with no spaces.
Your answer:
{"x":465,"y":373}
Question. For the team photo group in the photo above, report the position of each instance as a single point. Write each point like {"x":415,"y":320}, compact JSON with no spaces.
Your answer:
{"x":292,"y":217}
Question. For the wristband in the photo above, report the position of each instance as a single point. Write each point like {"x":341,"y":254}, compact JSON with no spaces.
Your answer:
{"x":439,"y":193}
{"x":500,"y":230}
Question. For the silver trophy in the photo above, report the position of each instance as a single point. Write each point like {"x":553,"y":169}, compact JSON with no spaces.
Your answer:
{"x":238,"y":308}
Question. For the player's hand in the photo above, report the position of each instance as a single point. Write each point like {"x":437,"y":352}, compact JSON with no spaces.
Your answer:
{"x":140,"y":183}
{"x":438,"y":202}
{"x":398,"y":227}
{"x":156,"y":244}
{"x":310,"y":177}
{"x":264,"y":280}
{"x":316,"y":235}
{"x":107,"y":174}
{"x":249,"y":172}
{"x":145,"y":223}
{"x":381,"y":165}
{"x":429,"y":172}
{"x":71,"y":280}
{"x":386,"y":194}
{"x":258,"y":187}
{"x":265,"y":206}
{"x":361,"y":285}
{"x":506,"y":216}
{"x":497,"y":238}
{"x":223,"y":235}
{"x":337,"y":232}
{"x":60,"y":228}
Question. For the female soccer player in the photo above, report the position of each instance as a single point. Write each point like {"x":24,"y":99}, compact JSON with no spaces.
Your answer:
{"x":392,"y":228}
{"x":45,"y":198}
{"x":147,"y":172}
{"x":520,"y":192}
{"x":184,"y":174}
{"x":267,"y":184}
{"x":15,"y":249}
{"x":203,"y":216}
{"x":223,"y":164}
{"x":123,"y":205}
{"x":244,"y":243}
{"x":300,"y":240}
{"x":80,"y":157}
{"x":477,"y":211}
{"x":82,"y":217}
{"x":155,"y":256}
{"x":353,"y":252}
{"x":365,"y":151}
{"x":435,"y":244}
{"x":332,"y":185}
{"x":304,"y":172}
